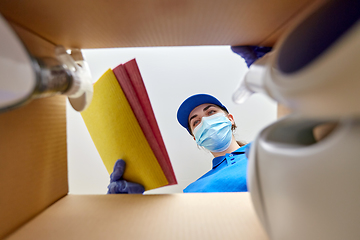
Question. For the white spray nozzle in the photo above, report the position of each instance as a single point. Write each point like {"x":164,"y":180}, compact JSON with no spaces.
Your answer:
{"x":253,"y":81}
{"x":81,"y":90}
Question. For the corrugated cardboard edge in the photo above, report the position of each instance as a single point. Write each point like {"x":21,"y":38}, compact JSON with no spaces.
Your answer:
{"x":33,"y":152}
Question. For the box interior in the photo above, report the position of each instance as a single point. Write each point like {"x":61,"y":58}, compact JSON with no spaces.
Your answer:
{"x":33,"y":143}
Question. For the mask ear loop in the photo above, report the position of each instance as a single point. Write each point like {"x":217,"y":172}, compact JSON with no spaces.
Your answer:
{"x":241,"y":143}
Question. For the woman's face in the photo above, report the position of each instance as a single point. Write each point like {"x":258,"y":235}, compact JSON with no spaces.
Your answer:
{"x":204,"y":110}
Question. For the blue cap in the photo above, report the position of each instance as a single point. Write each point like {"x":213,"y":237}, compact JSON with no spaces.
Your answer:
{"x":192,"y":102}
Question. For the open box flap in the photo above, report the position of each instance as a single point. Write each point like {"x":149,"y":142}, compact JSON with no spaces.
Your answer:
{"x":99,"y":24}
{"x":174,"y":216}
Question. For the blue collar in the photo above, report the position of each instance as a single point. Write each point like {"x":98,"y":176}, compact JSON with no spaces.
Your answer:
{"x":218,"y":160}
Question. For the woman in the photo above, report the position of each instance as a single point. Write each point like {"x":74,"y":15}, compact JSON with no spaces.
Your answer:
{"x":211,"y":125}
{"x":210,"y":129}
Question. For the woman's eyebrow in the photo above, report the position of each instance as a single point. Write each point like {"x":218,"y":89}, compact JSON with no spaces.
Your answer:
{"x":194,"y":116}
{"x":207,"y":107}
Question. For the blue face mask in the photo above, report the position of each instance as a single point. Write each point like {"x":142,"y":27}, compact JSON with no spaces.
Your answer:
{"x":214,"y":133}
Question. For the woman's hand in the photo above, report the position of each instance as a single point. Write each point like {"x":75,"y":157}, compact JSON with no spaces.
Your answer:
{"x":119,"y":185}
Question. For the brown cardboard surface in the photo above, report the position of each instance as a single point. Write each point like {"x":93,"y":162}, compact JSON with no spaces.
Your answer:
{"x":293,"y":20}
{"x":36,"y":45}
{"x":176,"y":216}
{"x":33,"y":155}
{"x":33,"y":168}
{"x":113,"y":23}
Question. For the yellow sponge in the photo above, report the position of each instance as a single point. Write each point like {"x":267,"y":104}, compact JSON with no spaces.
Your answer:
{"x":117,"y":134}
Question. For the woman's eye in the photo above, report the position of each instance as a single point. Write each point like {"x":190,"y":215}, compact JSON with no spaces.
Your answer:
{"x":196,"y":122}
{"x":211,"y":112}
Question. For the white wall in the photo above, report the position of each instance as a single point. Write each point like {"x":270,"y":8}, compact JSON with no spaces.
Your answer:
{"x":170,"y":76}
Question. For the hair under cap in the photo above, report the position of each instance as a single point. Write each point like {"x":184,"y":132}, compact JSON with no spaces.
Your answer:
{"x":192,"y":102}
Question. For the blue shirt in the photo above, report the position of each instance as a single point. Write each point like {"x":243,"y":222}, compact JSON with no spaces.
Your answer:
{"x":228,"y":174}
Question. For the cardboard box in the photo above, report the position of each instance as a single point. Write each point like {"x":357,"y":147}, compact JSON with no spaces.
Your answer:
{"x":34,"y":203}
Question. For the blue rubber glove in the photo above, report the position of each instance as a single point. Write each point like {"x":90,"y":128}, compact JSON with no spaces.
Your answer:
{"x":119,"y":185}
{"x":250,"y":53}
